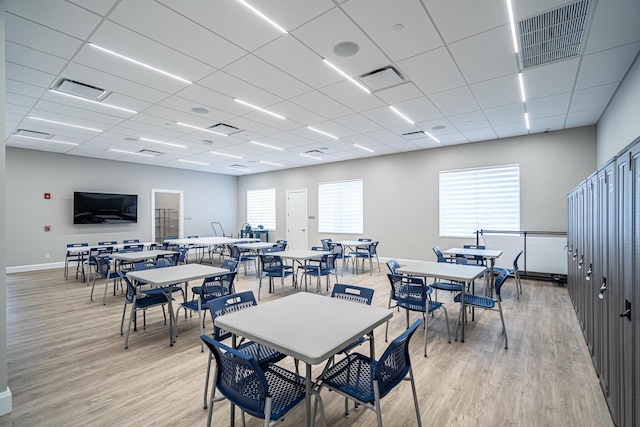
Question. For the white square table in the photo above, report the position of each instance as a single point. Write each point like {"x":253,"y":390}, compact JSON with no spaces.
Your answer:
{"x":212,"y":242}
{"x":302,"y":256}
{"x":449,"y":271}
{"x":167,"y":276}
{"x":335,"y":323}
{"x":354,"y":245}
{"x":486,"y":254}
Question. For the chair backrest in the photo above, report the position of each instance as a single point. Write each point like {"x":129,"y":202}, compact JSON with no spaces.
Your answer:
{"x":439,"y":254}
{"x":228,"y":304}
{"x":95,"y":252}
{"x":474,"y":246}
{"x":352,"y":293}
{"x":107,"y":243}
{"x":133,"y":247}
{"x":409,"y":291}
{"x":76,"y":245}
{"x":282,"y":244}
{"x":131,"y":293}
{"x":145,"y":265}
{"x":171,"y":259}
{"x":182,"y":254}
{"x":103,"y":265}
{"x":193,"y":236}
{"x":460,"y":260}
{"x":499,"y":282}
{"x":131,"y":241}
{"x":364,"y":239}
{"x":229,"y":264}
{"x":515,"y":261}
{"x":326,"y":243}
{"x":271,"y":263}
{"x":239,"y":378}
{"x":234,"y":252}
{"x":393,"y":264}
{"x":373,"y":248}
{"x":394,"y":363}
{"x":217,"y":286}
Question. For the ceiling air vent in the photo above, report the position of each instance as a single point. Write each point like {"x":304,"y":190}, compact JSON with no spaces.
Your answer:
{"x":313,"y":152}
{"x":151,"y":152}
{"x":414,"y":135}
{"x":80,"y":89}
{"x":554,"y":35}
{"x":33,"y":134}
{"x":237,"y":166}
{"x":382,"y":78}
{"x":224,"y":128}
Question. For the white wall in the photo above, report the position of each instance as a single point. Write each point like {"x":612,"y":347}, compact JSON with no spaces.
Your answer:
{"x":401,"y":190}
{"x":207,"y":197}
{"x":619,"y":126}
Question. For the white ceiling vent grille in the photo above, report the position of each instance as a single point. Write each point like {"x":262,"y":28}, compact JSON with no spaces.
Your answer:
{"x":80,"y":89}
{"x":553,"y":35}
{"x":414,"y":135}
{"x":382,"y":78}
{"x":224,"y":128}
{"x":33,"y":134}
{"x":151,"y":153}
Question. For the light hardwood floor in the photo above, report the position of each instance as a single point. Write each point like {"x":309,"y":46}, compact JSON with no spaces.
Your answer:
{"x":68,"y":366}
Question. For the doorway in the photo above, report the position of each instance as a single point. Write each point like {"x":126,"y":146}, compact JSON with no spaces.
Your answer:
{"x":167,"y":220}
{"x":297,"y":220}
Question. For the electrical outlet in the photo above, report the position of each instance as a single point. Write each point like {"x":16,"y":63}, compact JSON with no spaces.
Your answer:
{"x":47,"y":256}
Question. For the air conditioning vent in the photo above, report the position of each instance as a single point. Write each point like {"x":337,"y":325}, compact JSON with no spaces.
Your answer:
{"x":313,"y":152}
{"x":151,"y":152}
{"x":83,"y":90}
{"x":224,"y":128}
{"x":554,"y":35}
{"x":237,"y":166}
{"x":33,"y":134}
{"x":414,"y":135}
{"x":382,"y":78}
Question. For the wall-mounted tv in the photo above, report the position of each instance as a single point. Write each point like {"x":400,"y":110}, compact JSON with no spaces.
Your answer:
{"x":104,"y":208}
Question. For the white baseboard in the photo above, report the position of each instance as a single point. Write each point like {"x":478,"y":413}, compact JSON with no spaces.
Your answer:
{"x":6,"y":402}
{"x":34,"y":267}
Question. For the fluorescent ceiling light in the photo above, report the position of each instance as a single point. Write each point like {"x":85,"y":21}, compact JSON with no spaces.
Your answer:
{"x":431,"y":136}
{"x":115,"y":107}
{"x":526,"y":120}
{"x":142,"y":64}
{"x":363,"y":148}
{"x":46,"y":140}
{"x":521,"y":80}
{"x":311,"y":157}
{"x":163,"y":143}
{"x":323,"y":133}
{"x":261,"y":109}
{"x":199,"y":128}
{"x":225,"y":155}
{"x":271,"y":163}
{"x":130,"y":152}
{"x":401,"y":115}
{"x":267,"y":145}
{"x":263,"y":16}
{"x":347,"y":76}
{"x":194,"y":162}
{"x":512,"y":23}
{"x":64,"y":124}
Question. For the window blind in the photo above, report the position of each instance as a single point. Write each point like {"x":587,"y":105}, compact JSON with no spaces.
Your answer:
{"x":483,"y":198}
{"x":340,"y":207}
{"x":261,"y":208}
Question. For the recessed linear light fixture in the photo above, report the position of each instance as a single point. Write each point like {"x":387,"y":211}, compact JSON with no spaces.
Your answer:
{"x":130,"y":152}
{"x":526,"y":120}
{"x":521,"y":80}
{"x":267,"y":145}
{"x":363,"y":148}
{"x":311,"y":157}
{"x":264,"y":162}
{"x":233,"y":156}
{"x":260,"y":109}
{"x":199,"y":128}
{"x":193,"y":162}
{"x":142,"y":64}
{"x":512,"y":24}
{"x":115,"y":107}
{"x":431,"y":136}
{"x":263,"y":16}
{"x":346,"y":75}
{"x":401,"y":115}
{"x":163,"y":143}
{"x":64,"y":124}
{"x":323,"y":133}
{"x":46,"y":140}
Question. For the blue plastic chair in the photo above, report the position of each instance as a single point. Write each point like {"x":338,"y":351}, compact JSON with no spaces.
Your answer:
{"x":242,"y":257}
{"x":367,"y":381}
{"x":476,"y":259}
{"x":340,"y":254}
{"x":229,"y":264}
{"x":76,"y":257}
{"x":103,"y":269}
{"x":439,"y":285}
{"x":272,"y":267}
{"x":412,"y":294}
{"x":486,"y":303}
{"x":324,"y":267}
{"x":157,"y":263}
{"x":127,"y":241}
{"x":515,"y":272}
{"x":229,"y":304}
{"x":370,"y":253}
{"x":393,"y":264}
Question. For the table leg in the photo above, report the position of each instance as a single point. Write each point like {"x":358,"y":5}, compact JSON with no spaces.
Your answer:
{"x":307,"y":396}
{"x":372,"y":346}
{"x":464,"y":310}
{"x":167,"y":292}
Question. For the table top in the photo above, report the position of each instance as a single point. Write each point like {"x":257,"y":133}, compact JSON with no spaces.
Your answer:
{"x":139,"y":255}
{"x":443,"y":270}
{"x":356,"y":243}
{"x":176,"y":274}
{"x":213,"y":240}
{"x":281,"y":324}
{"x":300,"y":254}
{"x":485,"y":253}
{"x":79,"y":249}
{"x":255,"y":245}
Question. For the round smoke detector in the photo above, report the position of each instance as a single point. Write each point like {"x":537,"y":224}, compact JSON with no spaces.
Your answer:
{"x":199,"y":110}
{"x":346,"y":49}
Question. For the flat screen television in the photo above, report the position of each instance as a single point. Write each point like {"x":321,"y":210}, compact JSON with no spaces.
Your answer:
{"x":104,"y":208}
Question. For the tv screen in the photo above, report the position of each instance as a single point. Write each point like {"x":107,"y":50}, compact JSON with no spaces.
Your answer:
{"x":104,"y":208}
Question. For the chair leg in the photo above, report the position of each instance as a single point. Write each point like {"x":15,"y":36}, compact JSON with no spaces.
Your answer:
{"x":504,"y":330}
{"x":206,"y":380}
{"x":131,"y":314}
{"x":415,"y":396}
{"x":124,"y":309}
{"x":106,"y":287}
{"x":376,"y":394}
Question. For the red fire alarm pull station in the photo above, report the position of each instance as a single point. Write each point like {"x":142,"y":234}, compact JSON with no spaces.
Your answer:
{"x":47,"y":196}
{"x":47,"y":228}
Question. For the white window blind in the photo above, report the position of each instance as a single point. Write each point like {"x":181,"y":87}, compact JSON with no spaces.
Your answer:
{"x":261,"y":208}
{"x":475,"y":199}
{"x":340,"y":207}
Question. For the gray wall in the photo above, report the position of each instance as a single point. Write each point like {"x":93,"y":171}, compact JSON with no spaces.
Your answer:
{"x":30,"y":174}
{"x":5,"y":394}
{"x":619,"y":126}
{"x":401,"y":190}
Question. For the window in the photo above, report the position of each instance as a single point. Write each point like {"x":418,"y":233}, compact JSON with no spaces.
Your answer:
{"x":340,"y":207}
{"x":475,"y":199}
{"x":261,"y":208}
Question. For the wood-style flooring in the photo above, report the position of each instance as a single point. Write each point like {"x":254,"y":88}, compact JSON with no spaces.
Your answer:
{"x":68,"y":367}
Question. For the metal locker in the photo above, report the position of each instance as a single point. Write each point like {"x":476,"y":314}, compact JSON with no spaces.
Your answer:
{"x":635,"y":273}
{"x":589,"y":261}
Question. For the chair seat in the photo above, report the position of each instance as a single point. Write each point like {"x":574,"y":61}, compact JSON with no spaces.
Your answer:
{"x":158,"y":291}
{"x":476,"y":300}
{"x":352,"y":375}
{"x":446,"y":286}
{"x":151,"y":300}
{"x":286,"y":388}
{"x":498,"y":270}
{"x":218,"y":290}
{"x":263,"y":354}
{"x":419,"y":306}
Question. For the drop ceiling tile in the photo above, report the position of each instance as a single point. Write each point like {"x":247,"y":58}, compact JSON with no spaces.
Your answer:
{"x":185,"y":36}
{"x":432,"y":71}
{"x":33,"y":59}
{"x":418,"y":109}
{"x":470,"y":121}
{"x":548,"y":106}
{"x":97,"y":6}
{"x":233,"y":87}
{"x":296,"y":113}
{"x":60,"y":16}
{"x":584,"y":118}
{"x":500,"y":91}
{"x":22,"y":100}
{"x":185,"y":105}
{"x":358,"y":123}
{"x":384,"y":117}
{"x":455,"y":101}
{"x":40,"y":145}
{"x":459,"y":20}
{"x":400,"y":93}
{"x":13,"y":86}
{"x":212,"y":100}
{"x":28,"y":75}
{"x":350,"y":95}
{"x":505,"y":114}
{"x":291,"y":14}
{"x":16,"y":109}
{"x":484,"y":134}
{"x":72,"y":107}
{"x":385,"y":137}
{"x":321,"y":104}
{"x":438,"y":127}
{"x":550,"y":79}
{"x":380,"y":20}
{"x":547,"y":123}
{"x":608,"y":66}
{"x":509,"y":130}
{"x":614,"y":25}
{"x":592,"y":98}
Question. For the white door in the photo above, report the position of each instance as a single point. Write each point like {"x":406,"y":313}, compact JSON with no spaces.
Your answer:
{"x":297,"y":220}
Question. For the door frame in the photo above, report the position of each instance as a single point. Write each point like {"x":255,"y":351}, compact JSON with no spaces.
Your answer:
{"x":306,"y":213}
{"x":153,"y":211}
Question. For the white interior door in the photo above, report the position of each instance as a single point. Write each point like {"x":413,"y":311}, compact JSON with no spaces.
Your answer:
{"x":167,"y":219}
{"x":297,"y":220}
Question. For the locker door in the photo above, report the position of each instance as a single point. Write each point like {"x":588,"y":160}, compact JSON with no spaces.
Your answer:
{"x":589,"y":261}
{"x":580,"y":255}
{"x":635,"y":272}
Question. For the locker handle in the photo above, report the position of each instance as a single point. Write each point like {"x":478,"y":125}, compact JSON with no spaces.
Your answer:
{"x":627,"y":311}
{"x":603,"y":289}
{"x":589,"y":271}
{"x":580,"y":262}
